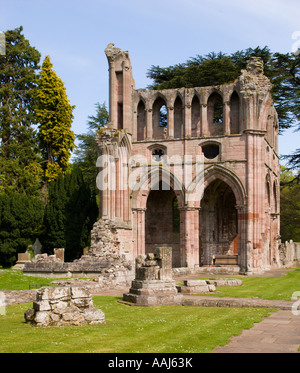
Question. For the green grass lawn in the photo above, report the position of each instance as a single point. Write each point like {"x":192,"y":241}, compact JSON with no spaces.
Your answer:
{"x":165,"y":329}
{"x":13,"y":279}
{"x":280,"y":288}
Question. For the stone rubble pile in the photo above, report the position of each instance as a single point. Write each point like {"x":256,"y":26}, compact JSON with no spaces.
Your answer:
{"x":206,"y":286}
{"x":61,"y":306}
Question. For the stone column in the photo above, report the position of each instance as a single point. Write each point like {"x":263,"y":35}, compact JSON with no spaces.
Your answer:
{"x":149,"y":125}
{"x":204,"y":123}
{"x":113,"y":114}
{"x":189,"y":237}
{"x":242,"y":237}
{"x":171,"y":122}
{"x":187,"y":121}
{"x":226,"y":118}
{"x":139,"y":230}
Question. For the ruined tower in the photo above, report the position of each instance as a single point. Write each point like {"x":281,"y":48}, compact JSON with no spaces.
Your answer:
{"x":195,"y":169}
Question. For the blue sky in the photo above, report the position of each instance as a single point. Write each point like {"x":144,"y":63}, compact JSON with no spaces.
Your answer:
{"x":155,"y":32}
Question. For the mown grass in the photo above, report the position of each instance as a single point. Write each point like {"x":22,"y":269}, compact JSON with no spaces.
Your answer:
{"x":279,"y":288}
{"x":13,"y":279}
{"x":162,"y":329}
{"x":165,"y":329}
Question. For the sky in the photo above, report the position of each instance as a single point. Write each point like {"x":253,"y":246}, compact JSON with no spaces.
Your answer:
{"x":75,"y":33}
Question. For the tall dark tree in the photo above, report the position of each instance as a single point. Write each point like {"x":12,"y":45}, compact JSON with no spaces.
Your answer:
{"x":69,"y":215}
{"x":21,"y":218}
{"x":19,"y":155}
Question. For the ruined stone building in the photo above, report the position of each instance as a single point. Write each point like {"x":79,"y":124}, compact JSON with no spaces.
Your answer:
{"x":195,"y":169}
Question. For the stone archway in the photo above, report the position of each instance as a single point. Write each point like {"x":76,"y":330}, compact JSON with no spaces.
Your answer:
{"x":218,"y":222}
{"x":162,"y":226}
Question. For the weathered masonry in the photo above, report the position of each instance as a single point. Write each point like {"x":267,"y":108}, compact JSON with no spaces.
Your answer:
{"x":221,"y":140}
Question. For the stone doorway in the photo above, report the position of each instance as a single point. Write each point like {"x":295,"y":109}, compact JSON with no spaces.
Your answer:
{"x":218,"y":222}
{"x":162,"y":224}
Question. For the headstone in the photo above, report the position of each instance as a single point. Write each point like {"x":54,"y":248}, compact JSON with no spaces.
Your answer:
{"x":37,"y":246}
{"x":60,"y":254}
{"x":22,"y":259}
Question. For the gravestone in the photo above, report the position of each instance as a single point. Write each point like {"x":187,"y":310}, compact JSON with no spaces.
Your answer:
{"x":37,"y":246}
{"x":23,"y":258}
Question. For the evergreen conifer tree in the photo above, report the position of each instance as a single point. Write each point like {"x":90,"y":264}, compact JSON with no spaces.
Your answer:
{"x":54,"y":115}
{"x":69,"y":215}
{"x":20,"y":169}
{"x":21,"y":218}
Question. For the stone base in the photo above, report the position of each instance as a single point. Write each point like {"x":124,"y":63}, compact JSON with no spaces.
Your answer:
{"x":196,"y":287}
{"x":153,"y":293}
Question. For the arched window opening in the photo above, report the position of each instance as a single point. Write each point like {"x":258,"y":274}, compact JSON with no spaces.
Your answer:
{"x":215,"y":114}
{"x":234,"y":113}
{"x":159,"y":118}
{"x":163,"y":116}
{"x":178,"y":118}
{"x":195,"y":117}
{"x":141,"y":121}
{"x":157,"y":154}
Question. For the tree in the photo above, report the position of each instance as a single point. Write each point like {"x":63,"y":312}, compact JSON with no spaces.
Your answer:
{"x":86,"y":152}
{"x":21,"y":218}
{"x":219,"y":68}
{"x":69,"y":214}
{"x":289,"y":206}
{"x":54,"y":115}
{"x":19,"y":167}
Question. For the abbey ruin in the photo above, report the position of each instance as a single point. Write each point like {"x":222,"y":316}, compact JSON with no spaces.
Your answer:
{"x":195,"y":169}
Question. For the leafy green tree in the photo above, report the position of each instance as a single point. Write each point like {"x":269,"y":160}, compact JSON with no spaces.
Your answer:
{"x":86,"y":152}
{"x":21,"y":218}
{"x":54,"y":115}
{"x":289,"y":206}
{"x":19,"y":156}
{"x":69,"y":215}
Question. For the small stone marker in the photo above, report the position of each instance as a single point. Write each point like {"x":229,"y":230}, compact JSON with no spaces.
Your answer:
{"x":37,"y":246}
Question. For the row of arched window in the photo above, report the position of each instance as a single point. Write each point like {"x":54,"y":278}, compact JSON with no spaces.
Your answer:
{"x":214,"y":115}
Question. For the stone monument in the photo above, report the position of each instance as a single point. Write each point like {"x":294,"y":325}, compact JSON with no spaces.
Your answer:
{"x":153,"y":284}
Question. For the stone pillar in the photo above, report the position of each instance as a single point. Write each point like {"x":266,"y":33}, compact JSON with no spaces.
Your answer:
{"x":171,"y":122}
{"x":163,"y":255}
{"x":113,"y":114}
{"x":226,"y":118}
{"x":203,"y":116}
{"x":149,"y":129}
{"x":189,"y":237}
{"x":187,"y":121}
{"x":242,"y":237}
{"x":139,"y":227}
